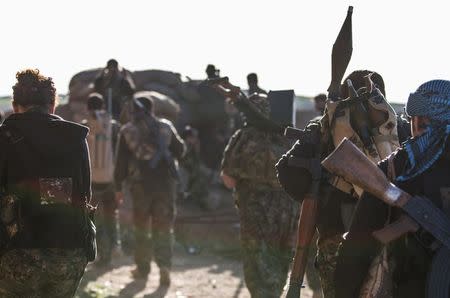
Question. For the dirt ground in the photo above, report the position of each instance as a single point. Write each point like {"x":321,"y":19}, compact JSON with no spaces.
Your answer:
{"x":214,"y":272}
{"x":201,"y":275}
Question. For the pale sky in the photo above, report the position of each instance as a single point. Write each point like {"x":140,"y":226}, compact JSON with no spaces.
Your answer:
{"x":288,"y":43}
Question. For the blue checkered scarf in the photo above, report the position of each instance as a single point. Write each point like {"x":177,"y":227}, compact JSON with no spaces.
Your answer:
{"x":431,"y":100}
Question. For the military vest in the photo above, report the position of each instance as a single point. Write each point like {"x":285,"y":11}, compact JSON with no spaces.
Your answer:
{"x":39,"y":208}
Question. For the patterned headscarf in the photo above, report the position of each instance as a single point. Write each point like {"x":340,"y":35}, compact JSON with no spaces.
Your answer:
{"x":431,"y":100}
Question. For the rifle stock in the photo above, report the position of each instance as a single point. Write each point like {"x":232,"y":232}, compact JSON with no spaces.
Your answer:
{"x":348,"y":162}
{"x":351,"y":164}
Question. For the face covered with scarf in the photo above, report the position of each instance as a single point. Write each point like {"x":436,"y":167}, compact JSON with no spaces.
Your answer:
{"x":431,"y":103}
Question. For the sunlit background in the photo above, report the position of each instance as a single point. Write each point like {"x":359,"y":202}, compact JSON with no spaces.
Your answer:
{"x":288,"y":43}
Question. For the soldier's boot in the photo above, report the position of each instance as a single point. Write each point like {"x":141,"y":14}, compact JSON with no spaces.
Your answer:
{"x":164,"y":276}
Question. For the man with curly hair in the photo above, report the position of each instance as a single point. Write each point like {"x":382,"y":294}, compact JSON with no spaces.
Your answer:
{"x":45,"y":235}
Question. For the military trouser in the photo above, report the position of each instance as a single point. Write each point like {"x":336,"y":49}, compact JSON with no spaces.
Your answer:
{"x":268,"y":220}
{"x":106,"y":220}
{"x":160,"y":208}
{"x":312,"y":276}
{"x":127,"y":241}
{"x":326,"y":263}
{"x":34,"y":273}
{"x":198,"y":184}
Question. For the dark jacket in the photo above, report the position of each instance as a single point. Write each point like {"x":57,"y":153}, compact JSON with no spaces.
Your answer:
{"x":410,"y":253}
{"x":297,"y":181}
{"x":45,"y":162}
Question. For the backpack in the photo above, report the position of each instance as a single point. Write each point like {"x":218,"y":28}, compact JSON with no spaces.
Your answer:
{"x":101,"y":147}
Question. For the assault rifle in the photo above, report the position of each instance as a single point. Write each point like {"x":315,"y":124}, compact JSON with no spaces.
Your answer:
{"x":350,"y":163}
{"x":242,"y":103}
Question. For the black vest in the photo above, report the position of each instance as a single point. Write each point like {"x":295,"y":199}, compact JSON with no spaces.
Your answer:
{"x":48,"y":211}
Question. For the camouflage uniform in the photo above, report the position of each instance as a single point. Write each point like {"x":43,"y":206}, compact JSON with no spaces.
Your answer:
{"x":267,"y":214}
{"x":326,"y":260}
{"x":106,"y":221}
{"x":41,"y":272}
{"x":160,"y":206}
{"x":153,"y":191}
{"x":197,"y":181}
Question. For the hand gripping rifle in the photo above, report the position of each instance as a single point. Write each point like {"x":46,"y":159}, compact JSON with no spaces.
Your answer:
{"x":242,"y":103}
{"x":350,"y":163}
{"x":340,"y":58}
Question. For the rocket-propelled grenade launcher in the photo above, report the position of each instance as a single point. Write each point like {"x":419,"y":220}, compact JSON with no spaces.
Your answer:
{"x":340,"y":58}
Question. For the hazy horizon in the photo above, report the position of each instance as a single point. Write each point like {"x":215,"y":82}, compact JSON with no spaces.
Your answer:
{"x":287,"y":43}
